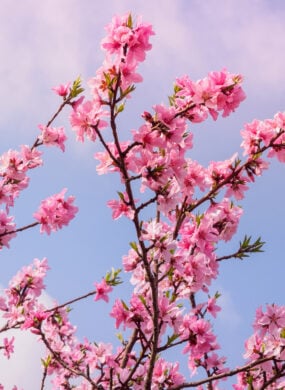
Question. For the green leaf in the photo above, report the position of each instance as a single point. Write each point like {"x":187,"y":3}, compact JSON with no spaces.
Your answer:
{"x":130,"y":21}
{"x":198,"y":218}
{"x":121,"y":195}
{"x":217,"y":295}
{"x":127,"y":91}
{"x":172,"y":338}
{"x":112,"y":278}
{"x":46,"y":362}
{"x":171,"y":100}
{"x":142,"y":299}
{"x":176,"y":88}
{"x":134,"y":246}
{"x":246,"y":247}
{"x":120,"y":108}
{"x":125,"y":305}
{"x":76,"y":88}
{"x":120,"y":337}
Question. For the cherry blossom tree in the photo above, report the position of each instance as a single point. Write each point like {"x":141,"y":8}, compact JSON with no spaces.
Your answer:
{"x":174,"y":258}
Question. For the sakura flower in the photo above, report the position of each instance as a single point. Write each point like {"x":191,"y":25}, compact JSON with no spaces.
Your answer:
{"x":8,"y":346}
{"x":121,"y":207}
{"x":11,"y":166}
{"x":7,"y":229}
{"x":257,"y":134}
{"x":53,"y":136}
{"x":120,"y":312}
{"x":131,"y":260}
{"x":85,"y":118}
{"x":212,"y":307}
{"x":55,"y":212}
{"x":166,"y":374}
{"x":31,"y":157}
{"x":272,"y":320}
{"x":62,"y":89}
{"x":3,"y":306}
{"x":121,"y":34}
{"x":102,"y":291}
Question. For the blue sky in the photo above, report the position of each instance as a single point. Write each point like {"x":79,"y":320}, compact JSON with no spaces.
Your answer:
{"x":44,"y":44}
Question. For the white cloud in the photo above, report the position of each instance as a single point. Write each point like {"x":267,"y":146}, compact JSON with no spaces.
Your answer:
{"x":228,"y":318}
{"x":24,"y":366}
{"x":53,"y":42}
{"x":44,"y":43}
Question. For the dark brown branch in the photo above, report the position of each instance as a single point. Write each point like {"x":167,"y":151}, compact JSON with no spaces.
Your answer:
{"x":71,"y":301}
{"x":129,"y":347}
{"x":20,"y":229}
{"x":236,"y":171}
{"x":215,"y":377}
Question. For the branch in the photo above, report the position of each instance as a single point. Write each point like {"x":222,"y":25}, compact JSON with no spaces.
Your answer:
{"x":61,"y":362}
{"x":244,"y":368}
{"x":245,"y":248}
{"x":246,"y":166}
{"x":129,"y":347}
{"x":71,"y":301}
{"x":20,"y":229}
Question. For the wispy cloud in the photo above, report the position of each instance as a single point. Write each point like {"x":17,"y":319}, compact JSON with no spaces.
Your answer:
{"x":45,"y":43}
{"x":23,"y":369}
{"x":55,"y":41}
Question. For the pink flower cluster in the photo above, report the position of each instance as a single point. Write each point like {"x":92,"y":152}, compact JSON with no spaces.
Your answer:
{"x":121,"y":207}
{"x":180,"y":253}
{"x":125,"y":47}
{"x":62,"y":89}
{"x":264,"y":134}
{"x":86,"y":118}
{"x":24,"y":289}
{"x":14,"y":166}
{"x":7,"y":229}
{"x":174,"y":258}
{"x":220,"y":91}
{"x":268,"y":341}
{"x":53,"y":136}
{"x":55,"y":212}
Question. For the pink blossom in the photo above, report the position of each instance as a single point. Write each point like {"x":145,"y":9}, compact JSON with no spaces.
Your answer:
{"x":31,"y":157}
{"x":129,"y":75}
{"x":8,"y":346}
{"x":225,"y":218}
{"x":120,"y":312}
{"x":6,"y":226}
{"x":121,"y":35}
{"x":212,"y":307}
{"x":55,"y":212}
{"x":62,"y":89}
{"x":220,"y":91}
{"x":257,"y":134}
{"x":34,"y":319}
{"x":27,"y":282}
{"x":166,"y":374}
{"x":130,"y":261}
{"x":253,"y":345}
{"x":53,"y":136}
{"x":3,"y":306}
{"x":11,"y":166}
{"x":86,"y":118}
{"x":272,"y":320}
{"x":107,"y":163}
{"x":121,"y":207}
{"x":102,"y":291}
